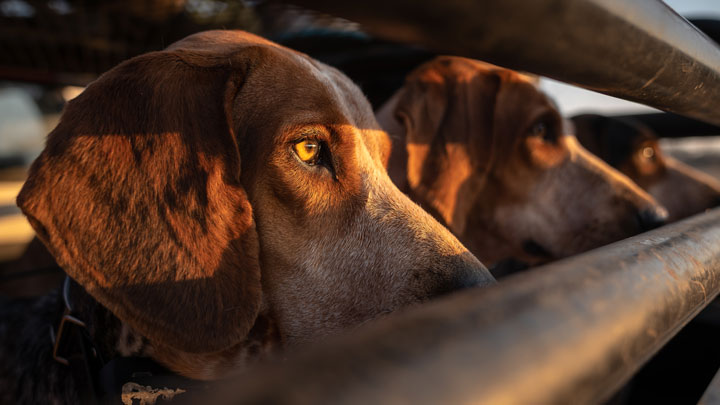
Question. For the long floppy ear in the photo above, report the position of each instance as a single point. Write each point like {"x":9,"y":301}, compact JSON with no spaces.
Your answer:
{"x":446,"y":108}
{"x":138,"y":196}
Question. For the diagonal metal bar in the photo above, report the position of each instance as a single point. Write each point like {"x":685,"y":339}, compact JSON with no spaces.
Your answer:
{"x":639,"y":50}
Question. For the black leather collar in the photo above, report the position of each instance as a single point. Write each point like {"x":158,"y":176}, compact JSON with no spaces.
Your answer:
{"x":119,"y":380}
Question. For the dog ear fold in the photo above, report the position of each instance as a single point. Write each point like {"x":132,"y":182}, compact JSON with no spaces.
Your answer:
{"x":137,"y":194}
{"x":421,"y":108}
{"x":446,"y":108}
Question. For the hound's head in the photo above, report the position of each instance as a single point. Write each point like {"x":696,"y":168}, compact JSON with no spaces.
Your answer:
{"x":484,"y":150}
{"x":633,"y":149}
{"x":200,"y":191}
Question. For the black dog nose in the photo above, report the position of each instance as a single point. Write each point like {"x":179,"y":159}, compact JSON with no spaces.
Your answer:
{"x":465,"y":271}
{"x":651,"y":218}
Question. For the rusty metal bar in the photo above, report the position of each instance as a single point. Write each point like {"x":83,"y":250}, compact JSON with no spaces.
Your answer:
{"x":639,"y":50}
{"x":570,"y":332}
{"x":712,"y":393}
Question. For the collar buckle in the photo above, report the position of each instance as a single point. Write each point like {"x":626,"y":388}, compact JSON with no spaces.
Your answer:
{"x":67,"y":323}
{"x":59,"y":344}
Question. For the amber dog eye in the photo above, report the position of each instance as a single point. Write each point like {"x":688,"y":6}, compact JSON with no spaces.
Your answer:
{"x":308,"y":151}
{"x":648,"y":153}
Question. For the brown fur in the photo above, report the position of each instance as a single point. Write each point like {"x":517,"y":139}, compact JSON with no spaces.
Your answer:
{"x":632,"y":148}
{"x":464,"y":149}
{"x":170,"y":192}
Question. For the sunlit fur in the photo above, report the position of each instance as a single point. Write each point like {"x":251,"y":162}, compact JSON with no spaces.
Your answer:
{"x":171,"y":192}
{"x":464,"y":149}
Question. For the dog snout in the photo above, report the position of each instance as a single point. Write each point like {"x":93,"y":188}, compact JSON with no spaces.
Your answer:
{"x":463,"y":271}
{"x":652,"y":217}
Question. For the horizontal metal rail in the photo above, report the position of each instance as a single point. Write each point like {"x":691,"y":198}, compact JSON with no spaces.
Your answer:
{"x":570,"y":332}
{"x":639,"y":50}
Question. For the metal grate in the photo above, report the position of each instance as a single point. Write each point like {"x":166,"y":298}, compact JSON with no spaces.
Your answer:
{"x":72,"y":41}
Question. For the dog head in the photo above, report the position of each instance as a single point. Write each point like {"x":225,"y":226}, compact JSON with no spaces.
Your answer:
{"x":192,"y":189}
{"x":632,"y":148}
{"x":484,"y":150}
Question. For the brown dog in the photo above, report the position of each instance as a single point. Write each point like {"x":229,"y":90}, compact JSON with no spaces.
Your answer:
{"x":484,"y":150}
{"x":632,"y":148}
{"x":225,"y":184}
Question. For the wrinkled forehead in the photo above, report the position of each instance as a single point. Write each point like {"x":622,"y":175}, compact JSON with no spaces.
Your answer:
{"x":221,"y":41}
{"x":520,"y":85}
{"x":612,"y":139}
{"x":292,"y":72}
{"x":477,"y":75}
{"x":626,"y":136}
{"x":459,"y":67}
{"x":524,"y":80}
{"x":520,"y":102}
{"x":289,"y":90}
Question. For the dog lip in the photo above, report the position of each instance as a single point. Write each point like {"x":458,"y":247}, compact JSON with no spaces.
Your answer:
{"x":535,"y":249}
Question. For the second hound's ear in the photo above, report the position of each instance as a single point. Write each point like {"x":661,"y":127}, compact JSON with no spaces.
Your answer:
{"x":138,"y":196}
{"x":447,"y":108}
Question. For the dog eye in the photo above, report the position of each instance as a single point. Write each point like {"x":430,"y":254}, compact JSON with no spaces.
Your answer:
{"x":542,"y":130}
{"x":648,"y":153}
{"x":308,"y":151}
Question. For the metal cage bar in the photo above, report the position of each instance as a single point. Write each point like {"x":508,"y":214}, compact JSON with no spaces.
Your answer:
{"x":570,"y":332}
{"x":639,"y":50}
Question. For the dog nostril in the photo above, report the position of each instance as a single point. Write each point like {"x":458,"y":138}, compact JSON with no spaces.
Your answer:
{"x":651,"y":218}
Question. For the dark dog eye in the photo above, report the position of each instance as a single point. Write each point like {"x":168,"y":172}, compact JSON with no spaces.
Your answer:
{"x":542,"y":130}
{"x":308,"y":151}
